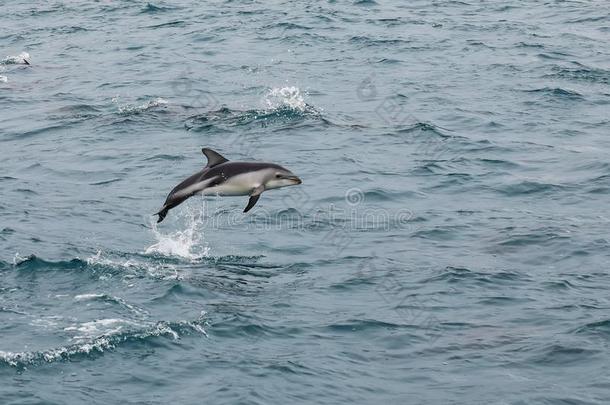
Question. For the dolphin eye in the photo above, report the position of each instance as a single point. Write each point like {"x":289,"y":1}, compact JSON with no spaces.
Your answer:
{"x":278,"y":176}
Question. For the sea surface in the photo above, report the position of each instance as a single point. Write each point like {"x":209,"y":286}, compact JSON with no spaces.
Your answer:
{"x":449,"y":244}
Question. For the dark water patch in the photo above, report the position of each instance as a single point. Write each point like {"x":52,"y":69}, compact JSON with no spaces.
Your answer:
{"x":307,"y":38}
{"x":605,"y":17}
{"x":498,"y":164}
{"x":503,"y":300}
{"x":33,"y":263}
{"x":178,"y":23}
{"x":528,"y":45}
{"x":34,"y":132}
{"x":366,"y":3}
{"x":529,"y":188}
{"x":388,"y":61}
{"x":439,"y":233}
{"x":194,"y":289}
{"x":94,"y":267}
{"x":424,"y":128}
{"x":7,"y":231}
{"x":534,"y":237}
{"x":287,"y":26}
{"x":561,"y":355}
{"x":26,"y":191}
{"x":368,"y":41}
{"x":581,"y":73}
{"x":76,"y":111}
{"x":430,"y":168}
{"x":239,"y":327}
{"x":69,"y":29}
{"x":163,"y":156}
{"x":155,"y":9}
{"x":558,"y":285}
{"x":363,"y":325}
{"x":598,"y":328}
{"x":457,"y":275}
{"x":104,"y":182}
{"x":557,"y":93}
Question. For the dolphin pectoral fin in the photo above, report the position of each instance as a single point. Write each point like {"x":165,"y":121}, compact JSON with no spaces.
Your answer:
{"x":214,"y":158}
{"x":251,"y":202}
{"x":254,"y":196}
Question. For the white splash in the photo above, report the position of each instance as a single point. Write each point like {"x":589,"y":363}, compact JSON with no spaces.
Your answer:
{"x":3,"y":79}
{"x":187,"y":243}
{"x":128,"y":109}
{"x":99,"y":327}
{"x":22,"y":58}
{"x":99,"y":259}
{"x":88,"y":297}
{"x":131,"y":268}
{"x":18,"y":259}
{"x":290,"y":97}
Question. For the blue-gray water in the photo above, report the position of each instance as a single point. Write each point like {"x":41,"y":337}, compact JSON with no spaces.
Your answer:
{"x":449,"y":244}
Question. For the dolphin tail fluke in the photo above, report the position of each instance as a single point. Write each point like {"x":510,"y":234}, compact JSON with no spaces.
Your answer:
{"x":162,"y":214}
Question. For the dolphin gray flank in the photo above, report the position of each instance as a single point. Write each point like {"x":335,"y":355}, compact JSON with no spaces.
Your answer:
{"x":225,"y":178}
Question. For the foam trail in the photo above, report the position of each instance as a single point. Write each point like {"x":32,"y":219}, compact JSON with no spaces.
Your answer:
{"x":187,"y":243}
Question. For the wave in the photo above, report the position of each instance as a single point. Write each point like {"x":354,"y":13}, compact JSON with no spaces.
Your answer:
{"x":529,"y":187}
{"x":134,"y":109}
{"x":122,"y":332}
{"x":110,"y":299}
{"x":282,"y":105}
{"x":153,"y":9}
{"x":582,"y":73}
{"x":21,"y":59}
{"x":599,"y":328}
{"x":425,"y":128}
{"x":461,"y":274}
{"x":557,"y":92}
{"x":100,"y":265}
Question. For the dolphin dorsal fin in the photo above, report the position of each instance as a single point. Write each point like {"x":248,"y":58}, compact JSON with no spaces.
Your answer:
{"x":214,"y":158}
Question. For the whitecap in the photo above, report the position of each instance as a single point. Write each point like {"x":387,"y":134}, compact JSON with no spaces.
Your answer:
{"x":22,"y":58}
{"x":88,"y":297}
{"x":113,"y":333}
{"x":128,"y":109}
{"x":286,"y":97}
{"x":132,"y":267}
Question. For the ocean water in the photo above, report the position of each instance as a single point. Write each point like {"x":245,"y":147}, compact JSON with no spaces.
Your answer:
{"x":449,"y":244}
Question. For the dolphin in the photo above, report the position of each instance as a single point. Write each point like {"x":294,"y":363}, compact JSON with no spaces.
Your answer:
{"x":225,"y":178}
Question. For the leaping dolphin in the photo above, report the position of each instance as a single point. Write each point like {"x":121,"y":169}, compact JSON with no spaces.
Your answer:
{"x":225,"y":178}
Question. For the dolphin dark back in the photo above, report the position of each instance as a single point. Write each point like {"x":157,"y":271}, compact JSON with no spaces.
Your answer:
{"x":230,"y":169}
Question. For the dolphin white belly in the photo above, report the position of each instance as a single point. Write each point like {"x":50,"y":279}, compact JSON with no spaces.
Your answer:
{"x":242,"y":184}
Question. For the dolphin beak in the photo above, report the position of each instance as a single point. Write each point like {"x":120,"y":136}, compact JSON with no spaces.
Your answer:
{"x":296,"y":179}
